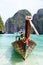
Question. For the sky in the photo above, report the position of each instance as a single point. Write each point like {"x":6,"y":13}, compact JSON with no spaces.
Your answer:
{"x":9,"y":7}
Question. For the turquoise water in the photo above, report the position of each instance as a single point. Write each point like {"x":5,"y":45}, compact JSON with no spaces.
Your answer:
{"x":9,"y":57}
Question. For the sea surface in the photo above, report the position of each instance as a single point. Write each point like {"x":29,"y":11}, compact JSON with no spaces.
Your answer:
{"x":9,"y":57}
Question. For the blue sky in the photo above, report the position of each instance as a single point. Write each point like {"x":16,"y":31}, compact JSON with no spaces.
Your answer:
{"x":9,"y":7}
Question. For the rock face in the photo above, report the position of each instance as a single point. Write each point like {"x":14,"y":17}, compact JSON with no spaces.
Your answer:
{"x":38,"y":21}
{"x":17,"y":22}
{"x":9,"y":26}
{"x":1,"y":26}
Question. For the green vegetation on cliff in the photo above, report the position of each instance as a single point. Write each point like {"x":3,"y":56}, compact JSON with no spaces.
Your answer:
{"x":1,"y":24}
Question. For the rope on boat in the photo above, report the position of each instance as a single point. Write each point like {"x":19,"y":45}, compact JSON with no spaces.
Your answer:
{"x":32,"y":25}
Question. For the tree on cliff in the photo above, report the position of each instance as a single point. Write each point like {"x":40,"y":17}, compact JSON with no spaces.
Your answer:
{"x":1,"y":25}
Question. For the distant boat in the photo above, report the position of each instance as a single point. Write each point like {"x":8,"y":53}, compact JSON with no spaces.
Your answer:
{"x":2,"y":32}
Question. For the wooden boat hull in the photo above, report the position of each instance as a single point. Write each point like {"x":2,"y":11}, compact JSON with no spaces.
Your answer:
{"x":20,"y":47}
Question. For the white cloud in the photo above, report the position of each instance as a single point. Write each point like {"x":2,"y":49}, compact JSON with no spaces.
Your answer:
{"x":9,"y":7}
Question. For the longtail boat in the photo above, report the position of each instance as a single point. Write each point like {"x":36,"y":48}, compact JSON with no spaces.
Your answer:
{"x":25,"y":45}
